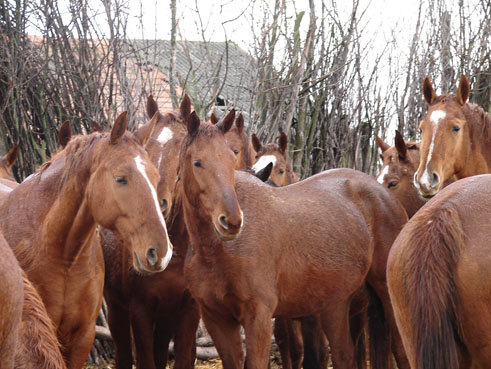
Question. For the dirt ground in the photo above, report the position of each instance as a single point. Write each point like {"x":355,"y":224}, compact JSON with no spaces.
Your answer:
{"x":208,"y":364}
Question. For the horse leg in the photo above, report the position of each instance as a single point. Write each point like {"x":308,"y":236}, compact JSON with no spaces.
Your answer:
{"x":185,"y":336}
{"x":316,"y":351}
{"x":143,"y":330}
{"x":81,"y":343}
{"x":225,"y":333}
{"x":335,"y":322}
{"x":119,"y":324}
{"x":258,"y":331}
{"x":164,"y":329}
{"x":289,"y":344}
{"x":397,"y":347}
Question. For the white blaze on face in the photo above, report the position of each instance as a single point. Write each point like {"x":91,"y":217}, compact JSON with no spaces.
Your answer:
{"x":380,"y":178}
{"x":435,"y":118}
{"x":165,"y":135}
{"x":140,"y":165}
{"x":263,"y":162}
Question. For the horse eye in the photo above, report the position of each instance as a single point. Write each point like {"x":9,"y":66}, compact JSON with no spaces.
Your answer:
{"x":121,"y":180}
{"x":163,"y":204}
{"x":197,"y":164}
{"x":392,"y":184}
{"x":282,"y":171}
{"x":456,"y":129}
{"x":236,"y":152}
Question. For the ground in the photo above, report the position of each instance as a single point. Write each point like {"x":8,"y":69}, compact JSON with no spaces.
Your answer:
{"x":208,"y":364}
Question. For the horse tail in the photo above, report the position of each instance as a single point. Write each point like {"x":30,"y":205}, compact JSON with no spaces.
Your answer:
{"x":378,"y":332}
{"x":434,"y":244}
{"x":39,"y":346}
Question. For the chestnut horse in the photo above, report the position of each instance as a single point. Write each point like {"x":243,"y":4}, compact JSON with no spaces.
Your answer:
{"x":11,"y":299}
{"x":303,"y":337}
{"x":7,"y":180}
{"x":27,"y":337}
{"x":239,"y":142}
{"x":399,"y":163}
{"x":277,"y":154}
{"x":279,"y":259}
{"x":455,"y":139}
{"x":159,"y":307}
{"x":50,"y":222}
{"x":439,"y":277}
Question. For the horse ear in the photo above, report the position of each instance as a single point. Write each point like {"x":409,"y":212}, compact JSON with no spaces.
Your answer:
{"x":239,"y":123}
{"x":64,"y":134}
{"x":256,"y":143}
{"x":11,"y":156}
{"x":193,"y":123}
{"x":400,"y":145}
{"x":282,"y":142}
{"x":464,"y":90}
{"x":119,"y":127}
{"x":152,"y":106}
{"x":383,"y":146}
{"x":145,"y":137}
{"x":227,"y":122}
{"x":428,"y":91}
{"x":95,"y":127}
{"x":213,"y":118}
{"x":185,"y":106}
{"x":264,"y":173}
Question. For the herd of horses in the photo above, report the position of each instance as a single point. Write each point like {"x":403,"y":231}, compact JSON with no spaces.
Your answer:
{"x":184,"y":220}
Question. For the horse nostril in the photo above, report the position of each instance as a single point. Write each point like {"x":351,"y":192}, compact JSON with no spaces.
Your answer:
{"x":435,"y":179}
{"x":152,"y":256}
{"x":223,"y":221}
{"x":163,"y":205}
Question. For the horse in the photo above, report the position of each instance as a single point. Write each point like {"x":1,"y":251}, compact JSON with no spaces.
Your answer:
{"x":11,"y":299}
{"x":7,"y":180}
{"x":301,"y":338}
{"x":277,"y":154}
{"x":399,"y":163}
{"x":455,"y":139}
{"x":159,"y":307}
{"x":239,"y":142}
{"x":27,"y":337}
{"x":264,"y":255}
{"x":50,"y":222}
{"x":439,"y":273}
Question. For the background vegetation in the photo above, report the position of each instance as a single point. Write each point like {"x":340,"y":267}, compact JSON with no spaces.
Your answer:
{"x":319,"y":75}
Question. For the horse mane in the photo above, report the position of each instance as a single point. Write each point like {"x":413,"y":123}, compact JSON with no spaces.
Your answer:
{"x":39,"y":347}
{"x":481,"y":120}
{"x":436,"y":238}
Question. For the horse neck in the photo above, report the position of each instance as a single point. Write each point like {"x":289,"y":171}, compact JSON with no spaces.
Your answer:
{"x":68,"y":227}
{"x":480,"y":141}
{"x":202,"y":235}
{"x":177,"y":230}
